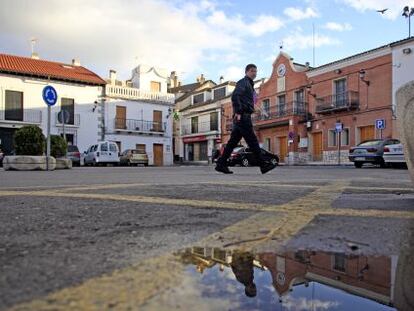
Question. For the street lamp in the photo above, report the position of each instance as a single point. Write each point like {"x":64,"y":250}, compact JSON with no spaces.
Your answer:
{"x":407,"y":13}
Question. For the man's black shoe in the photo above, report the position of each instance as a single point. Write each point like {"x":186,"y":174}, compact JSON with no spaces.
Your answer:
{"x":223,"y":169}
{"x":267,"y":167}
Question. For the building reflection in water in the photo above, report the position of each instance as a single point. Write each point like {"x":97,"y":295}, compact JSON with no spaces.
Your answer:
{"x":370,"y":277}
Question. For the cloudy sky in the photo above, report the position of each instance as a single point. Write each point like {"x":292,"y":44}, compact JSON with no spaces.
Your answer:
{"x":214,"y":37}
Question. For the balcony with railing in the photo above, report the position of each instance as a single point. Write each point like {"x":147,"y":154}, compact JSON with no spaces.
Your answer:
{"x":199,"y":128}
{"x":279,"y":111}
{"x":337,"y":102}
{"x":73,"y":120}
{"x":125,"y":92}
{"x":139,"y":126}
{"x":26,"y":116}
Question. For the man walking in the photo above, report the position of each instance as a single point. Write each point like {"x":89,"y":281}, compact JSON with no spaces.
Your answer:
{"x":243,"y":100}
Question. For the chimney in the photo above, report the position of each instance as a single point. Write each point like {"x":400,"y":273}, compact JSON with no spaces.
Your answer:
{"x":307,"y":64}
{"x":76,"y":62}
{"x":201,"y":79}
{"x":173,"y":79}
{"x":35,"y":55}
{"x":112,"y":76}
{"x":221,"y":79}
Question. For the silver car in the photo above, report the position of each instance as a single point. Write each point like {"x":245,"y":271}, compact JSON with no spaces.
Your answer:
{"x":370,"y":151}
{"x":394,"y":155}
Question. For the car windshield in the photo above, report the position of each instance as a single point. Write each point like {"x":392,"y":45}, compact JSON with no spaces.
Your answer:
{"x":370,"y":143}
{"x":136,"y":152}
{"x":73,"y":149}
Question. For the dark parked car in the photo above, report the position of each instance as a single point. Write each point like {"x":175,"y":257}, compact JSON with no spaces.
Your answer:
{"x":218,"y":152}
{"x":74,"y":155}
{"x":370,"y":151}
{"x":1,"y":158}
{"x":244,"y":157}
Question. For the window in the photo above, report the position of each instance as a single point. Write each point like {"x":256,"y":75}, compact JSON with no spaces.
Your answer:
{"x":199,"y":98}
{"x":266,"y":107}
{"x":339,"y":262}
{"x":141,"y":148}
{"x":68,"y":104}
{"x":345,"y":137}
{"x":194,"y":125}
{"x":340,"y":95}
{"x":219,"y":93}
{"x":299,"y":102}
{"x":266,"y":144}
{"x":113,"y":148}
{"x":332,"y":138}
{"x":299,"y":96}
{"x":281,"y":100}
{"x":155,"y":86}
{"x":104,"y":147}
{"x":95,"y":148}
{"x":14,"y":106}
{"x":214,"y":121}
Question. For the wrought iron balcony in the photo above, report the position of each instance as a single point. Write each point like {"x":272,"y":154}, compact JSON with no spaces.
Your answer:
{"x":199,"y":128}
{"x":294,"y":108}
{"x":131,"y":125}
{"x":337,"y":102}
{"x":29,"y":116}
{"x":137,"y":94}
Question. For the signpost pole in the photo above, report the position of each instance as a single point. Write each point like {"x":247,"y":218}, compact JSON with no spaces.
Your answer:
{"x":48,"y":137}
{"x":339,"y":147}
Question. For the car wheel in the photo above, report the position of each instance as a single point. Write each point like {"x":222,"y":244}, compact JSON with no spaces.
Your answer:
{"x":129,"y":163}
{"x":274,"y":161}
{"x":358,"y":164}
{"x":94,"y":162}
{"x":382,"y":164}
{"x":146,"y":164}
{"x":245,"y":162}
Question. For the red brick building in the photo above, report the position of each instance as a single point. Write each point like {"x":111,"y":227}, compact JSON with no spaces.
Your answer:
{"x":300,"y":106}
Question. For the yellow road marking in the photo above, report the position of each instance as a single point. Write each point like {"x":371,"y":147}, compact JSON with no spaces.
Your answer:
{"x":128,"y":288}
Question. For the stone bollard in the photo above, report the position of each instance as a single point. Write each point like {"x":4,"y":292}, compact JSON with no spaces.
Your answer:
{"x":405,"y":118}
{"x":28,"y":163}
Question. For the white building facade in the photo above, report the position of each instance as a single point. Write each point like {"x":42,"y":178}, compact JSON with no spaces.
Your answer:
{"x":137,"y":114}
{"x":79,"y":92}
{"x":200,"y":123}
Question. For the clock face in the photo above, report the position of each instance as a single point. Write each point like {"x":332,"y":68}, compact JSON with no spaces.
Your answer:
{"x":281,"y":70}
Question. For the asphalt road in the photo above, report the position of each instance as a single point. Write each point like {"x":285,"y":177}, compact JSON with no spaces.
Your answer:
{"x":104,"y":238}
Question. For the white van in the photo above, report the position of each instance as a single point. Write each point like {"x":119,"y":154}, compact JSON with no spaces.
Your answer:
{"x":102,"y":153}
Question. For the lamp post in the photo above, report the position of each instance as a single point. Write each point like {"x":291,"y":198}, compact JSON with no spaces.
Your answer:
{"x":407,"y":13}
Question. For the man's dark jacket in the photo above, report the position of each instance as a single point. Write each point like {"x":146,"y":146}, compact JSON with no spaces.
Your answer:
{"x":243,"y":96}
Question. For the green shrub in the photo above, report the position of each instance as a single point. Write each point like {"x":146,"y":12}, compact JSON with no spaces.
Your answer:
{"x":58,"y":146}
{"x":29,"y":140}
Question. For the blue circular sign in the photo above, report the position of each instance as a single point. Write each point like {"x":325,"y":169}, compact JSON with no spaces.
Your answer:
{"x":49,"y":95}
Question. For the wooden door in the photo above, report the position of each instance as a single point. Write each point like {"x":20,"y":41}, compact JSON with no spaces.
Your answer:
{"x":282,"y":148}
{"x":317,"y":146}
{"x":157,"y":119}
{"x":367,"y":133}
{"x":120,"y":118}
{"x":158,"y":154}
{"x":155,"y":86}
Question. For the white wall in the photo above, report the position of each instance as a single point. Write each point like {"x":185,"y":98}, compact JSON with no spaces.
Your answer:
{"x":143,"y":75}
{"x":84,"y":96}
{"x":137,"y":110}
{"x":403,"y":67}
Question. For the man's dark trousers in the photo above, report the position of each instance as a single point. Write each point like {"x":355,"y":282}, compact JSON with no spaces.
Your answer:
{"x":242,"y":129}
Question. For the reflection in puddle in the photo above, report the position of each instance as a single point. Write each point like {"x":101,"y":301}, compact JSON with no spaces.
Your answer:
{"x":301,"y":280}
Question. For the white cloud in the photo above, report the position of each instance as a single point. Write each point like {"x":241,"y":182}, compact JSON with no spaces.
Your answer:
{"x":394,"y":7}
{"x":233,"y":73}
{"x":303,"y":304}
{"x":299,"y":13}
{"x":337,"y":26}
{"x":299,"y":41}
{"x":108,"y":34}
{"x":238,"y":27}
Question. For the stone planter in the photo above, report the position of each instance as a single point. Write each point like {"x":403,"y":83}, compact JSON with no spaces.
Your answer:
{"x":405,"y":117}
{"x":63,"y":164}
{"x":27,"y":163}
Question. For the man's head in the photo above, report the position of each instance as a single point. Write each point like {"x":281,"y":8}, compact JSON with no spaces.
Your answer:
{"x":251,"y":71}
{"x":250,"y":290}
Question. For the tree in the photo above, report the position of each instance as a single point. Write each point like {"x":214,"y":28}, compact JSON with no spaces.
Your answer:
{"x":29,"y":140}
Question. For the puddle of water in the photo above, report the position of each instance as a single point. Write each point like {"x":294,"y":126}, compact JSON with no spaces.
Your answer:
{"x":216,"y":279}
